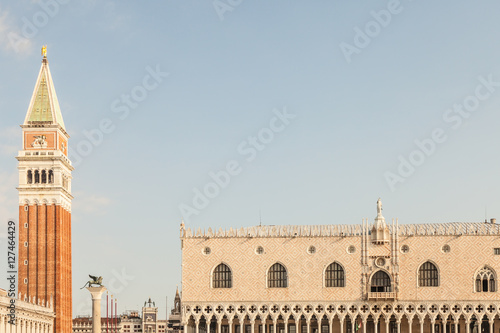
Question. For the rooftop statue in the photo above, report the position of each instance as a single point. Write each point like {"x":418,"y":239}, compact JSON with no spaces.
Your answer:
{"x":379,"y":207}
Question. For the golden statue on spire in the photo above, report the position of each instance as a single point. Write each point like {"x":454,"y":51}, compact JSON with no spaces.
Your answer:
{"x":44,"y":51}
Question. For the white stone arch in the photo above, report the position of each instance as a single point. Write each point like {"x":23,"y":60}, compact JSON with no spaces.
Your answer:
{"x":482,"y":271}
{"x":343,"y":269}
{"x":212,"y":274}
{"x":417,"y":279}
{"x":286,"y":272}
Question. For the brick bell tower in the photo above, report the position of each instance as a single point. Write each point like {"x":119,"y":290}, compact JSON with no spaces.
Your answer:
{"x":45,"y":203}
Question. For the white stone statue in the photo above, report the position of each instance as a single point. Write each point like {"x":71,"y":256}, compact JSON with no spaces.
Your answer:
{"x":379,"y":207}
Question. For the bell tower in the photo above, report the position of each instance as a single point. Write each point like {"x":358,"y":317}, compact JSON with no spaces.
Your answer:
{"x":45,"y":203}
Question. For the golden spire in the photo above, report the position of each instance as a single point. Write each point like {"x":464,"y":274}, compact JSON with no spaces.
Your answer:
{"x":44,"y":51}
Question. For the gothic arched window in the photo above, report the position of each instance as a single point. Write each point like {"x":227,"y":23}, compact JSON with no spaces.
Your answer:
{"x":277,"y":276}
{"x":222,"y":277}
{"x":334,"y":276}
{"x":381,"y":282}
{"x":428,"y":275}
{"x":485,"y":280}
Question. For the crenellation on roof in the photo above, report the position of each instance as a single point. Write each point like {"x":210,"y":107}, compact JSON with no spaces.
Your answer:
{"x":345,"y":230}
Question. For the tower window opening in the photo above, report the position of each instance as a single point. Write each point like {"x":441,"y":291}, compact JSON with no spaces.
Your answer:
{"x":51,"y":177}
{"x":44,"y":177}
{"x":37,"y":177}
{"x":30,"y":177}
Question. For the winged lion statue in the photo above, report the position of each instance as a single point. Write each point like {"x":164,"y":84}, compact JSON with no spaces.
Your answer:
{"x":95,"y":281}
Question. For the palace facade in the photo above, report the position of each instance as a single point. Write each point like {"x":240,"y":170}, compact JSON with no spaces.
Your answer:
{"x":374,"y":277}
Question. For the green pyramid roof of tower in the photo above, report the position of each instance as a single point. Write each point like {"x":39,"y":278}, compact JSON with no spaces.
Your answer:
{"x":44,"y":106}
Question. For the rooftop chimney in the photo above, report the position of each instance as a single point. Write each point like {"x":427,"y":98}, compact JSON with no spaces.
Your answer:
{"x":493,"y":221}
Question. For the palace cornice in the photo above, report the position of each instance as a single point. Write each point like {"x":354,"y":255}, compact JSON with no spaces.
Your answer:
{"x":346,"y":230}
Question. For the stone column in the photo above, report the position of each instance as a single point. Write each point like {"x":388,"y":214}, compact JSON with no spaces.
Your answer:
{"x":467,"y":325}
{"x":433,"y":328}
{"x":375,"y":323}
{"x":410,"y":323}
{"x":197,"y":325}
{"x":421,"y":324}
{"x":96,"y":293}
{"x":364,"y":324}
{"x":342,"y":324}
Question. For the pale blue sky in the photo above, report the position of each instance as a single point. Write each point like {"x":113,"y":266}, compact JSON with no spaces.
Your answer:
{"x":353,"y":119}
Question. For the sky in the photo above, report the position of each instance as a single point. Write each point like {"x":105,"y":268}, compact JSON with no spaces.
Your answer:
{"x":231,"y":113}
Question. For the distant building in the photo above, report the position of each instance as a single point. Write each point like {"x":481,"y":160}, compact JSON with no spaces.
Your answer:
{"x":175,"y":318}
{"x":150,"y":321}
{"x":132,"y":322}
{"x":83,"y":324}
{"x":370,"y":277}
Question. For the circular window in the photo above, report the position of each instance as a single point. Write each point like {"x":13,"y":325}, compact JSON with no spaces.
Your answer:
{"x":380,"y":262}
{"x":405,"y":249}
{"x":351,"y":249}
{"x":446,"y":248}
{"x":311,"y":249}
{"x":259,"y":250}
{"x":207,"y":251}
